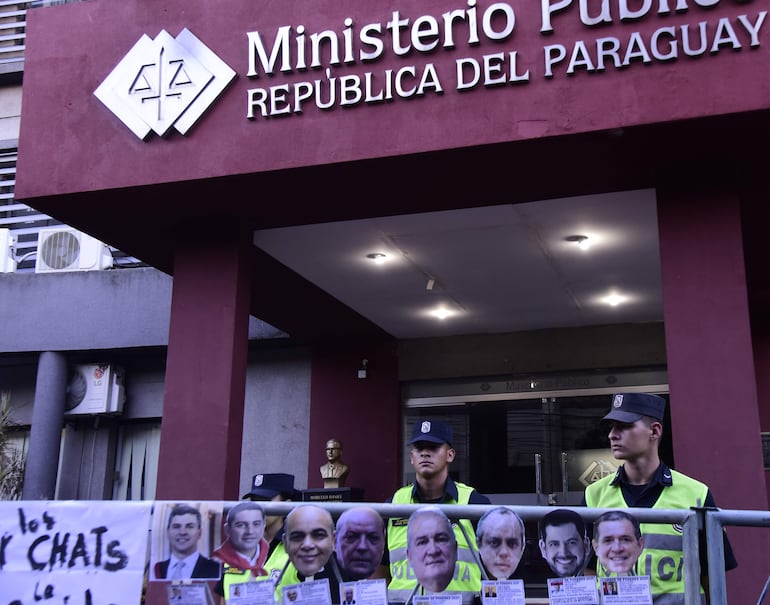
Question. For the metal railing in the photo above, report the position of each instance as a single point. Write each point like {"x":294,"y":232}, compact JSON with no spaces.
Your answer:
{"x":690,"y":520}
{"x":715,"y":521}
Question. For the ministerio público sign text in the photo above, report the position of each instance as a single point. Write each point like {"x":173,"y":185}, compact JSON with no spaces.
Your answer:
{"x":331,"y":68}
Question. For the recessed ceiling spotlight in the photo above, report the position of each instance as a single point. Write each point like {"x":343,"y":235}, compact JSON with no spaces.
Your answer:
{"x":613,"y":300}
{"x":377,"y":257}
{"x":582,"y":241}
{"x":441,"y":313}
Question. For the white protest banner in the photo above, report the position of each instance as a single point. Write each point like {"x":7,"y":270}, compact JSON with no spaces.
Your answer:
{"x":73,"y":552}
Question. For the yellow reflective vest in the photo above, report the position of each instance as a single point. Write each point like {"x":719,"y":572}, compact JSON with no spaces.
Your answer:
{"x":662,"y":558}
{"x":280,"y":571}
{"x":233,"y":575}
{"x":467,"y":578}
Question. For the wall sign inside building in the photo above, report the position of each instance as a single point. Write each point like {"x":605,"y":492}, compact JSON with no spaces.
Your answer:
{"x":170,"y":82}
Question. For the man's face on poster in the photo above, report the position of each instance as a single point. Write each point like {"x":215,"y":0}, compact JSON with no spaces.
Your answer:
{"x":564,"y":549}
{"x":360,"y":542}
{"x":431,"y":551}
{"x":309,"y":538}
{"x":246,"y":530}
{"x":501,"y":545}
{"x":183,"y":531}
{"x":617,"y":546}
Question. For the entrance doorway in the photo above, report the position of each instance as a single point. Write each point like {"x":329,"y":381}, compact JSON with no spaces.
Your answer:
{"x":530,"y":441}
{"x":537,"y":450}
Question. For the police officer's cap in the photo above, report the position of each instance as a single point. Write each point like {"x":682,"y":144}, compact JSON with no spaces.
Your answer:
{"x":270,"y":485}
{"x":630,"y":407}
{"x":432,"y":431}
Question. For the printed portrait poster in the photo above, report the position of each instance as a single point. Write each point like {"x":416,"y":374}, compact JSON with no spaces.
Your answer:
{"x":183,"y":536}
{"x":78,"y":553}
{"x":364,"y":592}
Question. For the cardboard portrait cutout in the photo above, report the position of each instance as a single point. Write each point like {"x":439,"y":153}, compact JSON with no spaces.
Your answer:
{"x":309,"y":538}
{"x":360,"y":542}
{"x":501,"y":539}
{"x":431,"y":548}
{"x":563,"y":543}
{"x":244,"y":546}
{"x":618,"y":543}
{"x":182,"y":525}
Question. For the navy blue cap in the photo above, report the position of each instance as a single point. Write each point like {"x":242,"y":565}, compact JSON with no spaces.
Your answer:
{"x":630,"y":407}
{"x":269,"y":485}
{"x":431,"y":430}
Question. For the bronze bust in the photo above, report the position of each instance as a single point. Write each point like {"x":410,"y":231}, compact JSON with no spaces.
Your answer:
{"x":335,"y":471}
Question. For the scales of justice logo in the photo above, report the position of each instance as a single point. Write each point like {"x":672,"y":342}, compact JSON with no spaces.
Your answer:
{"x":164,"y":83}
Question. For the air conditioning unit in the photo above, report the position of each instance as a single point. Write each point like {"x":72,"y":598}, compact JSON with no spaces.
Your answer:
{"x":66,"y":249}
{"x":95,"y":389}
{"x":7,"y":245}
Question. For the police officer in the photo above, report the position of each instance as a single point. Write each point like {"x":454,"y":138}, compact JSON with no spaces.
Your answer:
{"x":430,"y":454}
{"x":645,"y":481}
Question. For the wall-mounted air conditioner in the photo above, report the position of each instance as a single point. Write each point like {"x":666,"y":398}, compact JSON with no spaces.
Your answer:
{"x":66,"y":249}
{"x":7,"y":246}
{"x":95,"y":389}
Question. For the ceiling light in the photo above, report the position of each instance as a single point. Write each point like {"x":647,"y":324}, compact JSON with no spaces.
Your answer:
{"x":582,"y":241}
{"x":613,"y":300}
{"x":441,"y":313}
{"x":377,"y":257}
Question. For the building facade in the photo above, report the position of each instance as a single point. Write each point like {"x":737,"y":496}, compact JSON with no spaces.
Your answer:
{"x":349,"y":113}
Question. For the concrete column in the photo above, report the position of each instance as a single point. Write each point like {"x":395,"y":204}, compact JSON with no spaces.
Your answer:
{"x":202,"y":426}
{"x":45,"y":434}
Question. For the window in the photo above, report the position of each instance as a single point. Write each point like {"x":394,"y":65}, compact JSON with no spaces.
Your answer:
{"x":137,"y":462}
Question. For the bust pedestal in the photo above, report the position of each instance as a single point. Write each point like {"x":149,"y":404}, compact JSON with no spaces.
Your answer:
{"x":331,"y":483}
{"x":339,"y":494}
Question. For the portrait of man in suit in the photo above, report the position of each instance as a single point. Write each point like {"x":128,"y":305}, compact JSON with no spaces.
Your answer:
{"x":183,"y":531}
{"x":349,"y":597}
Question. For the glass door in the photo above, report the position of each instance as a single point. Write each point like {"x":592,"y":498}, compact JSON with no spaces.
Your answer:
{"x":543,"y":450}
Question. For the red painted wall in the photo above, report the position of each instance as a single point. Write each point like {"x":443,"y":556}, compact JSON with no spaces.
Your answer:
{"x":71,"y":49}
{"x":714,"y":405}
{"x":762,"y":364}
{"x":364,"y":414}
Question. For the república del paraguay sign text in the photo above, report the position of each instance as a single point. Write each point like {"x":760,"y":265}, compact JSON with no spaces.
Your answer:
{"x":325,"y":55}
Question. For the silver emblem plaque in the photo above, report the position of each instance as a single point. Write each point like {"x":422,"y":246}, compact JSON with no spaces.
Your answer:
{"x":163,"y":83}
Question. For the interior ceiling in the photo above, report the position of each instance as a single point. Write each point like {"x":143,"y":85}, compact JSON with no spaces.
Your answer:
{"x":503,"y":268}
